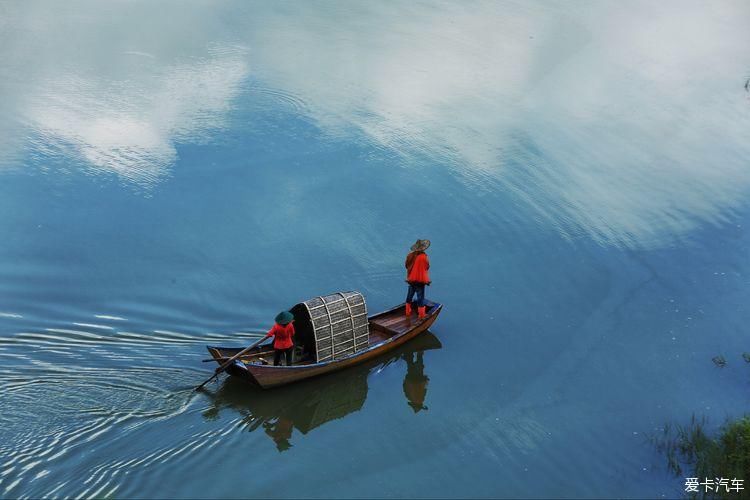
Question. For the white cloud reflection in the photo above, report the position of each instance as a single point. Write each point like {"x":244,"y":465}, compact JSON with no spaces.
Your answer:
{"x":131,"y":130}
{"x":628,"y":119}
{"x":113,"y":85}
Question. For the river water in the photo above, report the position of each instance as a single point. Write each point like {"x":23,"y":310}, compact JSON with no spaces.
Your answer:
{"x":173,"y":174}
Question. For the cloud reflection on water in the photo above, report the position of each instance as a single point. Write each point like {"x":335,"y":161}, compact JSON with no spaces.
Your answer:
{"x":623,"y":122}
{"x":131,"y":128}
{"x":114,"y":87}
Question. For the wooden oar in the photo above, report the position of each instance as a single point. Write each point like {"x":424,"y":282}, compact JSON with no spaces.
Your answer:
{"x":209,"y":360}
{"x":229,"y":361}
{"x":224,"y":358}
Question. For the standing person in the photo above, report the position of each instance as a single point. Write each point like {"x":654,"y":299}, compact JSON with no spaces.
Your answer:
{"x":417,"y":266}
{"x":283,"y":342}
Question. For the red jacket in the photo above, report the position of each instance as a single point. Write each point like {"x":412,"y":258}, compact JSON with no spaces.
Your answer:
{"x":282,"y":335}
{"x":417,"y":265}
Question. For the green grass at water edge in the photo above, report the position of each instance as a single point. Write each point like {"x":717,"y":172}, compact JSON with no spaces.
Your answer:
{"x":692,"y":452}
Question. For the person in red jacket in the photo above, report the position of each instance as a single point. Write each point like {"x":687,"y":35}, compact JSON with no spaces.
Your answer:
{"x":417,"y":276}
{"x":283,"y":338}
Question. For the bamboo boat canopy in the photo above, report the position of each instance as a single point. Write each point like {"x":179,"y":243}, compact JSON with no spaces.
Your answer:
{"x":334,"y":326}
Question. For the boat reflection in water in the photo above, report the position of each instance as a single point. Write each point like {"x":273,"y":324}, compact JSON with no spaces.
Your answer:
{"x":309,"y":404}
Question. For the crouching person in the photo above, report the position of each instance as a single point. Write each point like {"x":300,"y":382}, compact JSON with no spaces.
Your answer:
{"x":283,"y":338}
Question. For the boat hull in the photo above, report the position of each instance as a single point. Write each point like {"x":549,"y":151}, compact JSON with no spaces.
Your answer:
{"x":267,"y":376}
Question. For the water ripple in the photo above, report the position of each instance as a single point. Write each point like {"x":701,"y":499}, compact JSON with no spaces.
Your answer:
{"x":295,"y":103}
{"x":69,"y":408}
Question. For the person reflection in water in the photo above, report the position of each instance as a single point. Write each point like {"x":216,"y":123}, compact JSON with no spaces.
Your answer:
{"x":280,"y":431}
{"x":415,"y":381}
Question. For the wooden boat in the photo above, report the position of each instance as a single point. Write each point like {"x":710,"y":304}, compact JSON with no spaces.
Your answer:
{"x":332,"y":332}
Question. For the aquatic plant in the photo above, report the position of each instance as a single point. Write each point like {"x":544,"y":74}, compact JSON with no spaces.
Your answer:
{"x":692,"y":452}
{"x":719,"y":361}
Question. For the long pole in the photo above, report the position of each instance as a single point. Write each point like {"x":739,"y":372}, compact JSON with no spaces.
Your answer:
{"x":228,"y":362}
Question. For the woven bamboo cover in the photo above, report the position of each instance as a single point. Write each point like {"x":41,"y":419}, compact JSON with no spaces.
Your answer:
{"x":339,"y":324}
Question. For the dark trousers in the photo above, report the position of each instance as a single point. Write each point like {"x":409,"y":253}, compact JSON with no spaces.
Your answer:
{"x":417,"y":288}
{"x":286,"y":352}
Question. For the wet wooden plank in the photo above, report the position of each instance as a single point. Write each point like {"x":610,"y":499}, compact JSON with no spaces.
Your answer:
{"x":377,"y":336}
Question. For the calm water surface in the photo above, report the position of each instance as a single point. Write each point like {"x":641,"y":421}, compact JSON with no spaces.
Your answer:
{"x":173,"y":174}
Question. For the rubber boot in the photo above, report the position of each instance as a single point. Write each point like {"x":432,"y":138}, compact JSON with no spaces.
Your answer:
{"x":408,"y":308}
{"x":422,"y":312}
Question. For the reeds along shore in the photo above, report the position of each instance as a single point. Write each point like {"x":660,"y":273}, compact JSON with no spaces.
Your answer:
{"x":692,"y":452}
